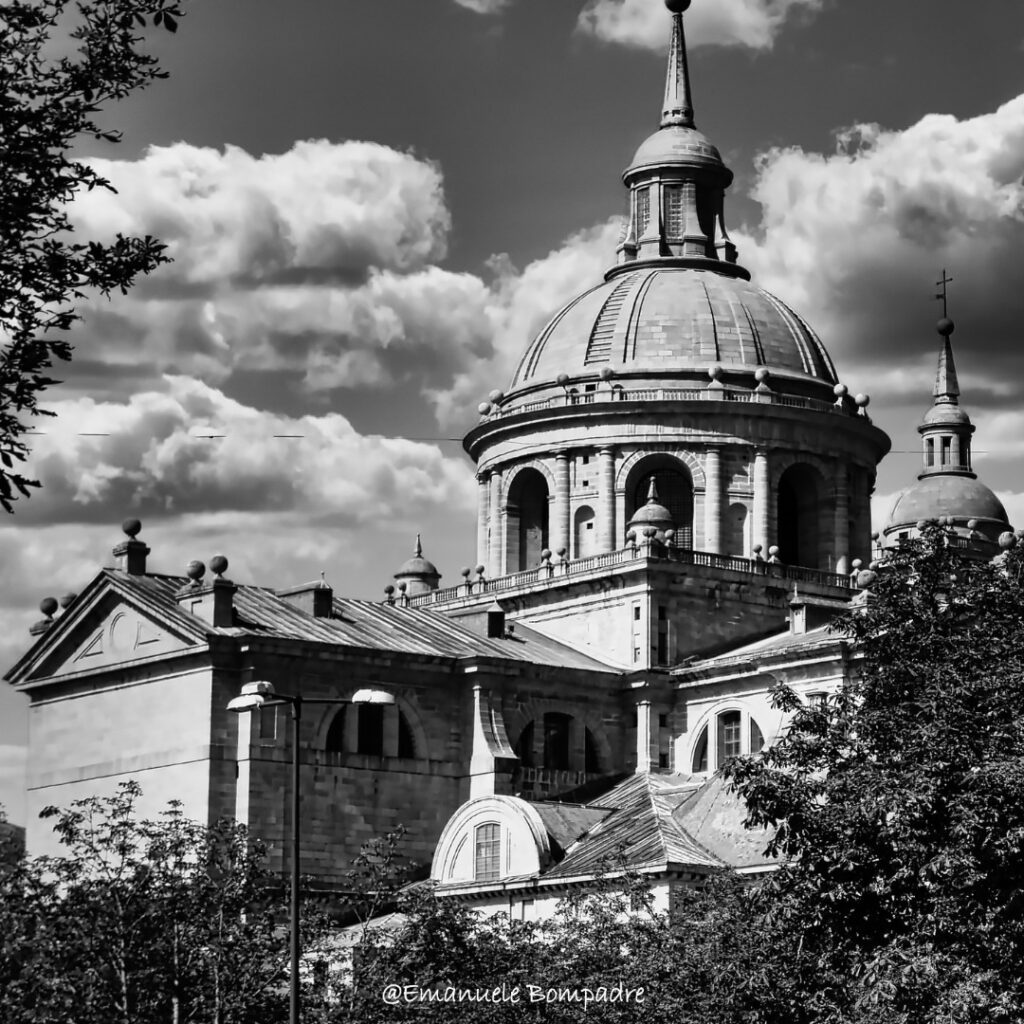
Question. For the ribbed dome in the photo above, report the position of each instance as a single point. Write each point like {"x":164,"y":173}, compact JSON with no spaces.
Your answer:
{"x":932,"y":497}
{"x":676,"y":145}
{"x":665,"y":322}
{"x":946,"y":414}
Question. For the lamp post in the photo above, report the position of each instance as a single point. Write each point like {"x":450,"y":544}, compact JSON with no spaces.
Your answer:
{"x":254,"y":697}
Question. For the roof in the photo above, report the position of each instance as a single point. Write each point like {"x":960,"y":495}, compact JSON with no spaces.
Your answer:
{"x":942,"y":494}
{"x":260,"y":612}
{"x":656,"y":820}
{"x":670,"y":321}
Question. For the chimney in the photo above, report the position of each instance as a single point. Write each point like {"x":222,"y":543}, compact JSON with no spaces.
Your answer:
{"x":495,"y":621}
{"x":131,"y":553}
{"x":213,"y":602}
{"x":316,"y":599}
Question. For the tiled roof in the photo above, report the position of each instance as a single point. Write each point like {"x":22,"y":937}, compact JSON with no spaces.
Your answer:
{"x":781,"y":643}
{"x":364,"y":624}
{"x":566,"y":823}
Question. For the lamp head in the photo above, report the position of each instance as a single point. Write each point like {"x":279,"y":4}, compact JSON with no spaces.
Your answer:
{"x":370,"y":696}
{"x":254,"y":696}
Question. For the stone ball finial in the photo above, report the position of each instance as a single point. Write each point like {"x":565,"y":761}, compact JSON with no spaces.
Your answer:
{"x":945,"y":327}
{"x":496,"y":395}
{"x":863,"y":400}
{"x":403,"y":586}
{"x":465,"y":572}
{"x":1019,"y":534}
{"x":219,"y":565}
{"x":922,"y":523}
{"x":562,"y":379}
{"x":131,"y":527}
{"x":389,"y":589}
{"x":561,"y":552}
{"x":876,"y":535}
{"x":856,"y":563}
{"x":677,"y":6}
{"x":972,"y":524}
{"x":68,"y":600}
{"x":479,"y":570}
{"x":715,"y":372}
{"x":1006,"y":541}
{"x":545,"y":555}
{"x":840,"y":391}
{"x":631,"y":535}
{"x":761,"y":374}
{"x":773,"y":550}
{"x":866,"y":578}
{"x":607,"y":372}
{"x":484,"y":408}
{"x":195,"y":570}
{"x":48,"y":606}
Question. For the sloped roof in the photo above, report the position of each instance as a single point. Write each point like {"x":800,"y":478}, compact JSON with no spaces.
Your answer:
{"x":565,"y":823}
{"x":260,"y":612}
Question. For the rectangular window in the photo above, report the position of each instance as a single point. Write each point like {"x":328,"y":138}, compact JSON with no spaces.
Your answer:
{"x":674,"y":211}
{"x":371,"y":729}
{"x":643,"y":210}
{"x":730,"y":739}
{"x":488,"y":852}
{"x":946,"y":441}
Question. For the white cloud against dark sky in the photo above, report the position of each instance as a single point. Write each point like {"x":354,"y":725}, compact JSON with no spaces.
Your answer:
{"x":372,"y":207}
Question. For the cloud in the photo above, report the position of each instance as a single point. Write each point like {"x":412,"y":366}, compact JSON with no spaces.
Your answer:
{"x":484,"y":6}
{"x":643,"y":23}
{"x":855,"y":239}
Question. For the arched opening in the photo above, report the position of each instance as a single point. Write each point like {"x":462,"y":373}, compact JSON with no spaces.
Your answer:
{"x":798,"y":517}
{"x":524,"y":746}
{"x":700,"y":753}
{"x":559,"y":749}
{"x":557,"y":752}
{"x":736,"y":520}
{"x":374,"y":729}
{"x":527,"y":520}
{"x":585,"y":533}
{"x":675,"y":492}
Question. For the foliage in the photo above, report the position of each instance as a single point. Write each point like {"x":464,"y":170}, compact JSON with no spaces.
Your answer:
{"x":900,"y":804}
{"x":141,"y":921}
{"x":50,"y":101}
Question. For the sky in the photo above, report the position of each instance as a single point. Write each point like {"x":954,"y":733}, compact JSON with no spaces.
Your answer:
{"x":373,"y":205}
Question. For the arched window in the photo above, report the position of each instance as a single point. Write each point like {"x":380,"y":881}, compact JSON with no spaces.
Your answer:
{"x":377,"y":730}
{"x":557,"y":753}
{"x":527,"y":520}
{"x":487,"y":862}
{"x":700,"y":752}
{"x":756,"y":737}
{"x":524,"y":746}
{"x":723,"y":739}
{"x":675,"y":492}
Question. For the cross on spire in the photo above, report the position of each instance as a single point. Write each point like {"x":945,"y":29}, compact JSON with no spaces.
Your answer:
{"x":942,"y":295}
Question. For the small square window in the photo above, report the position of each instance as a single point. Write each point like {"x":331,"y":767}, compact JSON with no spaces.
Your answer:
{"x":586,"y":460}
{"x":636,"y":613}
{"x":590,"y":526}
{"x":662,"y":721}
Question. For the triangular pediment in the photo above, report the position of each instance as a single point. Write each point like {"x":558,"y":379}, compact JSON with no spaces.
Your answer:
{"x":103,"y":629}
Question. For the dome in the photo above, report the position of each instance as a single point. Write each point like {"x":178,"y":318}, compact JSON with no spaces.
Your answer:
{"x":932,"y":497}
{"x":417,"y":567}
{"x":676,"y":144}
{"x":947,"y":413}
{"x":668,"y":322}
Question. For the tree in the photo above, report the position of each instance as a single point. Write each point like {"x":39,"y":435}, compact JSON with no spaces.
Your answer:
{"x":144,"y":922}
{"x":48,"y":103}
{"x":900,"y":804}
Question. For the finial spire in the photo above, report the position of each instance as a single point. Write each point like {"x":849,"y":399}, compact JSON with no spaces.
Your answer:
{"x":947,"y":387}
{"x":652,"y":491}
{"x":418,"y":552}
{"x":678,"y":108}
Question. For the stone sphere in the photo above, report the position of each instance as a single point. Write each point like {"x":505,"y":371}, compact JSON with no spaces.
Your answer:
{"x":68,"y":599}
{"x":496,"y":395}
{"x":389,"y":589}
{"x":560,"y":552}
{"x":546,"y":555}
{"x":714,"y":372}
{"x":466,"y":571}
{"x":840,"y":391}
{"x":761,"y":374}
{"x":922,"y":523}
{"x":1007,"y":540}
{"x":863,"y":400}
{"x":479,"y":570}
{"x":484,"y":408}
{"x":972,"y":524}
{"x":48,"y":606}
{"x":856,"y":563}
{"x":195,"y":570}
{"x":607,"y":372}
{"x":219,"y":564}
{"x":562,"y":379}
{"x":866,"y":578}
{"x":945,"y":327}
{"x":773,"y":550}
{"x":677,"y":6}
{"x":131,"y":527}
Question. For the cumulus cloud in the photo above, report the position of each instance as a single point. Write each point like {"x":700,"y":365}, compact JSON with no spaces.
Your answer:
{"x":642,"y":23}
{"x":521,"y":302}
{"x":484,"y":6}
{"x":856,"y":238}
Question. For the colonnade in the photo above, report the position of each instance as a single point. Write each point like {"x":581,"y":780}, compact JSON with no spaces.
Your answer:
{"x":493,"y":515}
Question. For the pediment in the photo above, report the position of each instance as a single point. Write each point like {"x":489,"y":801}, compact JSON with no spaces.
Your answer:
{"x":110,"y":630}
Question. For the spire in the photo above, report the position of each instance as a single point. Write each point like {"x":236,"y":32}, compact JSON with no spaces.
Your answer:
{"x":678,"y":108}
{"x":418,"y":550}
{"x":947,"y":387}
{"x":652,"y":491}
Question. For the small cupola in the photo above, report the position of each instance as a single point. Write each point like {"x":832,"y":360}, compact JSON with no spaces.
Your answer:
{"x":652,"y":514}
{"x":419,"y":575}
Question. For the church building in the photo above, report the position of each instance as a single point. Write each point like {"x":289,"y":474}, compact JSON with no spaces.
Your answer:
{"x":673,"y":503}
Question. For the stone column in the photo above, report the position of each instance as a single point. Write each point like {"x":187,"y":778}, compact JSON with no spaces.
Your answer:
{"x":494,"y":563}
{"x":644,"y":733}
{"x":713,"y":501}
{"x":606,"y":500}
{"x":762,"y":499}
{"x":842,"y":521}
{"x":483,"y":506}
{"x":954,"y":451}
{"x":560,"y":533}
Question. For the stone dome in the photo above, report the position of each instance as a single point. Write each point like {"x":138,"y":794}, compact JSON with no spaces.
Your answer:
{"x":946,"y":414}
{"x":963,"y":497}
{"x":671,"y":322}
{"x":676,"y":144}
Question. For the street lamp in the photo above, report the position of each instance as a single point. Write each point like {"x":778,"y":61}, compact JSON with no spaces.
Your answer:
{"x":254,"y":697}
